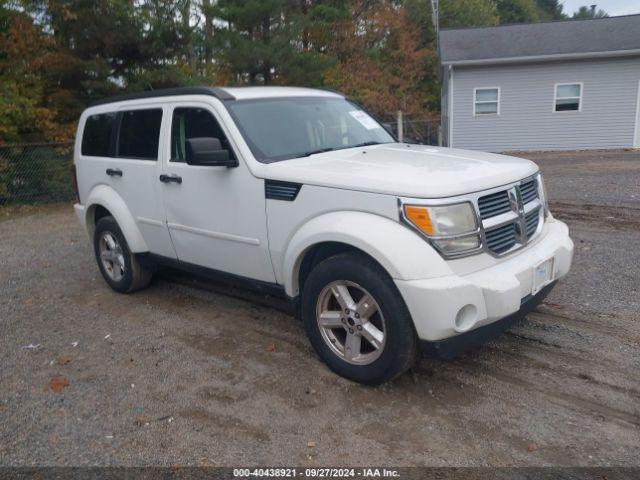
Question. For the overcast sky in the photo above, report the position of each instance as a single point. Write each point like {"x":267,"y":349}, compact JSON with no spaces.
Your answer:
{"x":612,"y":7}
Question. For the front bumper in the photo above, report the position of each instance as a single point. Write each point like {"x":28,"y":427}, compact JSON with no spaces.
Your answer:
{"x":485,"y":296}
{"x":451,"y":347}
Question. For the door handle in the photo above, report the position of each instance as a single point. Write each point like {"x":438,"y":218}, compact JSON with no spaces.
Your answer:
{"x":114,"y":172}
{"x":170,"y":178}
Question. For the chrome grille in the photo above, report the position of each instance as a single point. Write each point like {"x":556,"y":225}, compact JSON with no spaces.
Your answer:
{"x":494,"y":204}
{"x":529,"y":191}
{"x":531,"y":220}
{"x":501,"y":239}
{"x":510,"y":217}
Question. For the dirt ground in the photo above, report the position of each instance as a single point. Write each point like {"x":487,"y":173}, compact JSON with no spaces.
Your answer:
{"x":182,"y":374}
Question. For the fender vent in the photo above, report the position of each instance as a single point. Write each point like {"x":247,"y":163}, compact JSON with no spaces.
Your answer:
{"x":276,"y":190}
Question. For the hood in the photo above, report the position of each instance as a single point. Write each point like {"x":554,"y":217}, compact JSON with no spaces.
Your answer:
{"x":405,"y":170}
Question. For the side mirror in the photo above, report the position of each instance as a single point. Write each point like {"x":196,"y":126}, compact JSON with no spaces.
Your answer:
{"x":208,"y":152}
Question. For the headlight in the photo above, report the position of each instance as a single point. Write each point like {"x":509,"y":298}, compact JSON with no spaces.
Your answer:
{"x":542,"y":193}
{"x":452,"y":229}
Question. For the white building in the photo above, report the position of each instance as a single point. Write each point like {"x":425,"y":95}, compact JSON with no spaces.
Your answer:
{"x":544,"y":86}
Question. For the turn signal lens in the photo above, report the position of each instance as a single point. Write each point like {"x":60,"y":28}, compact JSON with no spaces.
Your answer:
{"x":419,"y":216}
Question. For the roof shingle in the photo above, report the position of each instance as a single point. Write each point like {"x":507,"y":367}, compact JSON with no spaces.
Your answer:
{"x":519,"y":41}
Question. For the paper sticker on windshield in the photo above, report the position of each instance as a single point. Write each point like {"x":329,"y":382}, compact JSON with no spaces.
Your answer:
{"x":366,"y":121}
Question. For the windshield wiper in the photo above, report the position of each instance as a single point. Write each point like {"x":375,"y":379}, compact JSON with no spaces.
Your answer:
{"x":329,"y":149}
{"x":313,"y":152}
{"x":366,"y":144}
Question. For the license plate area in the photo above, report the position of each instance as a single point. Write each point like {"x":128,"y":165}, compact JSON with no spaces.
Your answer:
{"x":542,"y":275}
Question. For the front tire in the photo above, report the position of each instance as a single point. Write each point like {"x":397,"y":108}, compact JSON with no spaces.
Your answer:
{"x":119,"y":267}
{"x":357,"y":321}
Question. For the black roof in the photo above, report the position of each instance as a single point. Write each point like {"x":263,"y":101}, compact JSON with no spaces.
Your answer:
{"x":217,"y":92}
{"x":519,"y":41}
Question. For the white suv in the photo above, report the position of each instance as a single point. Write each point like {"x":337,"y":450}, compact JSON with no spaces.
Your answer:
{"x":382,"y":247}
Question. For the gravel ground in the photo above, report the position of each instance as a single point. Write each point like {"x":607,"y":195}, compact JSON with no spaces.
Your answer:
{"x":580,"y":178}
{"x":182,"y":374}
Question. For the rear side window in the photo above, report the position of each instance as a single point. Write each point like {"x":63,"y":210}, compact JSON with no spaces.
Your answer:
{"x":96,"y":138}
{"x":140,"y":134}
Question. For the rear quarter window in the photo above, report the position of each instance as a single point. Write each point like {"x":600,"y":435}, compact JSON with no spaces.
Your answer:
{"x":139,"y":134}
{"x":96,"y":138}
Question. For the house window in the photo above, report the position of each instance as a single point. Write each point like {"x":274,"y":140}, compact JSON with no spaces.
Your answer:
{"x":568,"y":97}
{"x":486,"y":101}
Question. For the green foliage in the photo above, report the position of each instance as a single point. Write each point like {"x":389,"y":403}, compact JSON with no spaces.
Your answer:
{"x":550,"y":10}
{"x":276,"y":41}
{"x":517,"y":11}
{"x":586,"y":13}
{"x":419,"y":16}
{"x":256,"y":39}
{"x":468,"y":13}
{"x":168,"y":49}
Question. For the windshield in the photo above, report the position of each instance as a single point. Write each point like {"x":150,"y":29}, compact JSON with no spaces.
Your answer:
{"x":283,"y":128}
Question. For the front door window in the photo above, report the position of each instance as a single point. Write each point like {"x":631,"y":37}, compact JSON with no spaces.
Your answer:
{"x":194,"y":123}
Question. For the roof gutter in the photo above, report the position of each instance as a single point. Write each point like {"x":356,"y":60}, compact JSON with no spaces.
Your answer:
{"x":544,"y":58}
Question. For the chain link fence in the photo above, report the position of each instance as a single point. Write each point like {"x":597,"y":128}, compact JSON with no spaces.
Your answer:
{"x":36,"y":173}
{"x":422,"y":131}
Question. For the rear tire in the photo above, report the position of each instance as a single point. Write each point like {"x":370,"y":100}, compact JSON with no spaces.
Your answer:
{"x":118,"y":266}
{"x":373,"y":339}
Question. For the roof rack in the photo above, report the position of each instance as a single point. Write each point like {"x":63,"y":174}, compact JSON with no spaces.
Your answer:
{"x":217,"y":92}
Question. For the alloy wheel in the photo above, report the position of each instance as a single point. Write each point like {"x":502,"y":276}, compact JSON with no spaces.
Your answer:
{"x":351,"y":322}
{"x":111,"y":256}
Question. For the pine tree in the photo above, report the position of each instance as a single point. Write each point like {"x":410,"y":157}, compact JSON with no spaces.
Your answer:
{"x":550,"y":10}
{"x":254,"y":39}
{"x":518,"y":11}
{"x":468,"y":13}
{"x":586,"y":13}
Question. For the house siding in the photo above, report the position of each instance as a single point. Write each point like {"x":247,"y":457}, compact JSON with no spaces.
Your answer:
{"x":527,"y":121}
